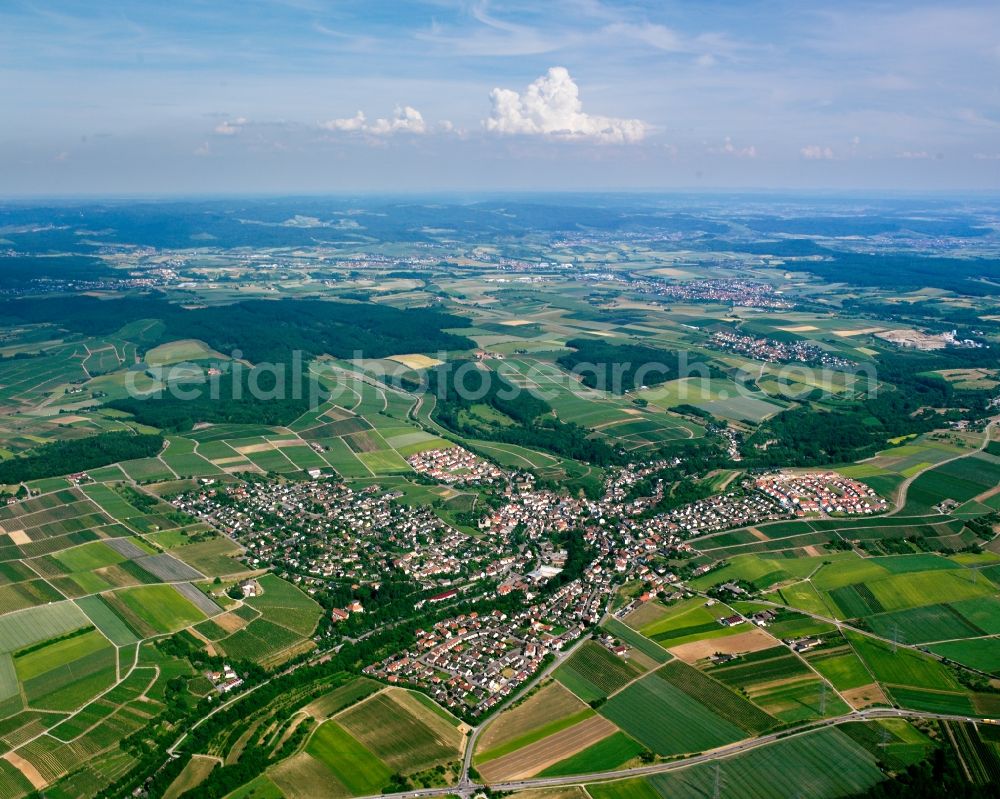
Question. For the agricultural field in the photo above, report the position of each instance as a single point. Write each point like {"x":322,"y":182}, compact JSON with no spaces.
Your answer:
{"x":281,"y":619}
{"x":696,"y":726}
{"x":820,"y":765}
{"x":402,"y":732}
{"x":549,"y":709}
{"x":594,"y":673}
{"x":687,"y":622}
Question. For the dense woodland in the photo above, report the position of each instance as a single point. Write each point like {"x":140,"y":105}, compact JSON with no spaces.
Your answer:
{"x":226,"y":400}
{"x":77,"y":455}
{"x":620,"y":368}
{"x":262,"y":330}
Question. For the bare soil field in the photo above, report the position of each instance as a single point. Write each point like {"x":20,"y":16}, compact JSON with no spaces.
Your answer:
{"x":753,"y":640}
{"x":864,"y":696}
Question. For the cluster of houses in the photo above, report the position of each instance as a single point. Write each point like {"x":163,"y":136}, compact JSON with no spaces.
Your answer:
{"x":743,"y":293}
{"x":722,"y":512}
{"x":226,"y":680}
{"x":322,"y":530}
{"x":820,"y":492}
{"x":473,"y":662}
{"x":736,"y":292}
{"x":455,"y":465}
{"x":773,"y":351}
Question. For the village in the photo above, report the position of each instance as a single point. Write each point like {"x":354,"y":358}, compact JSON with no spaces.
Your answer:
{"x":455,"y":465}
{"x":773,"y":351}
{"x":734,"y":292}
{"x":321,"y":531}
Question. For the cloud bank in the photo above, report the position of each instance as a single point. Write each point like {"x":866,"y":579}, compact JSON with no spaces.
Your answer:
{"x":405,"y":119}
{"x":551,"y":106}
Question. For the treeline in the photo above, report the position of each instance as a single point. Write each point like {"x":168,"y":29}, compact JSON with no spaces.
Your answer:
{"x":679,"y":482}
{"x":939,"y":775}
{"x":528,"y":422}
{"x":79,"y":455}
{"x":896,"y":272}
{"x":263,"y":330}
{"x":619,"y":368}
{"x":908,"y":401}
{"x":244,"y":396}
{"x":936,"y":313}
{"x":578,"y":557}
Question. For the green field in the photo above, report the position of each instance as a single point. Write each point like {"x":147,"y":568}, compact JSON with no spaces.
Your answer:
{"x":611,"y":753}
{"x":18,"y":630}
{"x":820,"y":765}
{"x":980,"y":653}
{"x":64,"y":674}
{"x":902,"y":667}
{"x":351,"y":763}
{"x":160,"y":607}
{"x":764,"y":666}
{"x":719,"y":698}
{"x":88,"y":557}
{"x":397,"y":737}
{"x":844,"y":670}
{"x":641,"y":708}
{"x":689,"y":621}
{"x":919,"y":625}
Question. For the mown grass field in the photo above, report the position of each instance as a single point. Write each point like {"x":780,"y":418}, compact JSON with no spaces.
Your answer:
{"x":351,"y":763}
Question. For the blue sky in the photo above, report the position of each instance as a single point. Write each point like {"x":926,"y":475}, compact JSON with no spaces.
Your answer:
{"x":325,"y":95}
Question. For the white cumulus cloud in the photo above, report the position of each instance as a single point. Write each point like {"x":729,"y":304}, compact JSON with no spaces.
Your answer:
{"x":551,"y":106}
{"x":816,"y":153}
{"x":405,"y":119}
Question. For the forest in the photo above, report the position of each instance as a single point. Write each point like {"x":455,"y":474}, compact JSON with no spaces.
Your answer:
{"x":227,"y":399}
{"x":262,"y":330}
{"x":78,"y":455}
{"x":907,"y":401}
{"x":620,"y":368}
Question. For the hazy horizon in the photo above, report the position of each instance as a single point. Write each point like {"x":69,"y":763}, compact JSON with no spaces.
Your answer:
{"x":286,"y":97}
